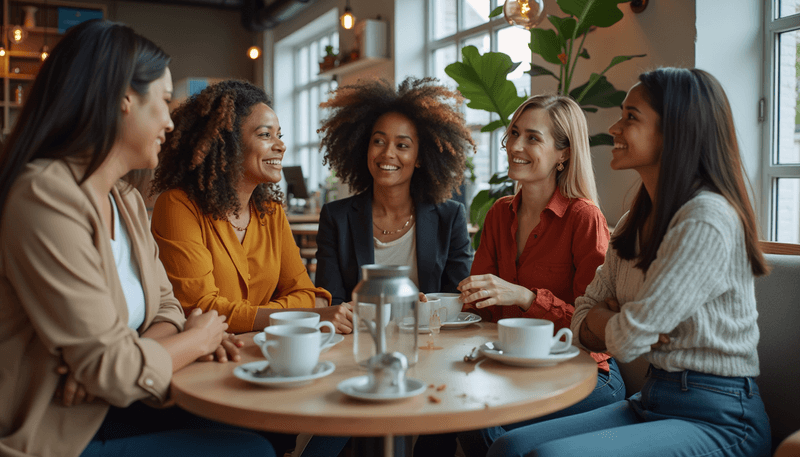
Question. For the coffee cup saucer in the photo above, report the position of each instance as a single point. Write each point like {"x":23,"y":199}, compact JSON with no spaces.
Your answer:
{"x":351,"y":388}
{"x":257,"y":373}
{"x":260,"y":337}
{"x":495,"y":352}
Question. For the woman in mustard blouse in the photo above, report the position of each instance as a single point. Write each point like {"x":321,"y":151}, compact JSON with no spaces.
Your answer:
{"x":222,"y":233}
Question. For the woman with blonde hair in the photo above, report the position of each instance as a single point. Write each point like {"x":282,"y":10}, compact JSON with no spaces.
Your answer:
{"x":540,"y":247}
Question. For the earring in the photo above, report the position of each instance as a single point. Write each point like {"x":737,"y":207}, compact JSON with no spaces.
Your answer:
{"x":560,"y":166}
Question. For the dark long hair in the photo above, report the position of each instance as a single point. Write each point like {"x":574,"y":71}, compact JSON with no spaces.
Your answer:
{"x":73,"y":109}
{"x":700,"y":150}
{"x":203,"y":154}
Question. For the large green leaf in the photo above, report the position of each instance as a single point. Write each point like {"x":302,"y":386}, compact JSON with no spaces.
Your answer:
{"x":600,"y":13}
{"x":545,"y":42}
{"x":537,"y":70}
{"x":565,"y":26}
{"x":492,"y":126}
{"x":619,"y":59}
{"x":482,"y":79}
{"x":601,"y":139}
{"x":601,"y":93}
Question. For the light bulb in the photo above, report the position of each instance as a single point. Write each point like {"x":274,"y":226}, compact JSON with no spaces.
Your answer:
{"x":524,"y":13}
{"x":254,"y":52}
{"x":17,"y":34}
{"x":45,"y":52}
{"x":2,"y":51}
{"x":348,"y":20}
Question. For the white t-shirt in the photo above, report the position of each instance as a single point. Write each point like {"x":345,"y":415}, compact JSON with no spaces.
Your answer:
{"x":128,"y":270}
{"x":402,"y":251}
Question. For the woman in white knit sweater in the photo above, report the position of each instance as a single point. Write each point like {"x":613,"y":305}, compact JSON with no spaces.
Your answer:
{"x":676,"y":288}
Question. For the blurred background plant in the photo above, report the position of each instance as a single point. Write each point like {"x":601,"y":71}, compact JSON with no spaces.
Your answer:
{"x":483,"y":79}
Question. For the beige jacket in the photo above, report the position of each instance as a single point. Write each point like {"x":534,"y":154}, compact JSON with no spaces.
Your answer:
{"x":60,"y":298}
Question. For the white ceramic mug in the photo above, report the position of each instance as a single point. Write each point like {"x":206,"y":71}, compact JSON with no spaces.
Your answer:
{"x":293,"y":350}
{"x":449,"y":301}
{"x":533,"y":338}
{"x":301,"y":319}
{"x":427,"y":309}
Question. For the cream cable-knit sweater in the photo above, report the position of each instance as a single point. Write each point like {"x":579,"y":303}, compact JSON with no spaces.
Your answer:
{"x":699,"y":290}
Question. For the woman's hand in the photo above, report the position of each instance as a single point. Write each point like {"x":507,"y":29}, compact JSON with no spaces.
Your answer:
{"x":210,"y":327}
{"x":341,"y":316}
{"x":487,"y":290}
{"x":600,"y":314}
{"x":70,"y":391}
{"x":228,"y":350}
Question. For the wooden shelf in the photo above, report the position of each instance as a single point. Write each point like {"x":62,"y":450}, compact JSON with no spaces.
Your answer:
{"x":352,"y":67}
{"x":11,"y":104}
{"x":20,"y":76}
{"x":24,"y":54}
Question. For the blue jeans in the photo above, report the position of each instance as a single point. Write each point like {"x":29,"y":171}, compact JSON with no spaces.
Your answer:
{"x":683,"y":413}
{"x":143,"y":431}
{"x":609,"y":389}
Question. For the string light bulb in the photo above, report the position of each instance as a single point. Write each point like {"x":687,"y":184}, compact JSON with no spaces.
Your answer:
{"x":524,"y":13}
{"x":45,"y":52}
{"x":17,"y":34}
{"x":2,"y":51}
{"x":348,"y":19}
{"x":253,"y":52}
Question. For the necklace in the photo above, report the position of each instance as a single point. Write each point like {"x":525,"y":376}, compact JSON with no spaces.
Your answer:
{"x":392,"y":232}
{"x":240,"y":229}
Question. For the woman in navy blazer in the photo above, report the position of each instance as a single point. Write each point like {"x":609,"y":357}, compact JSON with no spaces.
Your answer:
{"x":402,"y":152}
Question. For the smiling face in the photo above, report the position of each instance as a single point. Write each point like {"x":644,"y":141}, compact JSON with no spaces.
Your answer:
{"x":393,"y":149}
{"x":532,"y":154}
{"x":638,"y":140}
{"x":145,"y":122}
{"x":262,"y":147}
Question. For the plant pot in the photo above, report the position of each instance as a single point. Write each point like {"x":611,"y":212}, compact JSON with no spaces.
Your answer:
{"x":327,"y":63}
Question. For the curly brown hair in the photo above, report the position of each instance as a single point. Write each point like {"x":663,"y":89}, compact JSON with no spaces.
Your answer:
{"x":203,"y":155}
{"x":431,"y":107}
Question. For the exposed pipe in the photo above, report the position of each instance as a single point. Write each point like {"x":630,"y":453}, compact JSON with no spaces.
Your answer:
{"x":260,"y":15}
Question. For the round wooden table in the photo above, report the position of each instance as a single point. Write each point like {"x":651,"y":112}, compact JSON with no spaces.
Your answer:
{"x":464,"y":396}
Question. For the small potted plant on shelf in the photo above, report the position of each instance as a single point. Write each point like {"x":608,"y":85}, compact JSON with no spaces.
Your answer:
{"x":328,"y":60}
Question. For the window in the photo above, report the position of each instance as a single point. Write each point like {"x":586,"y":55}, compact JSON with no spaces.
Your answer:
{"x":458,"y":23}
{"x":309,"y":91}
{"x":781,"y":165}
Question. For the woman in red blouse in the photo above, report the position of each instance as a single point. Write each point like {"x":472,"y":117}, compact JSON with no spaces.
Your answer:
{"x":540,"y":247}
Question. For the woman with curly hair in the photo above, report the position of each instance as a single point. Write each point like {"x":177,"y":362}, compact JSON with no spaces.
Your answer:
{"x":402,"y":152}
{"x":224,"y":239}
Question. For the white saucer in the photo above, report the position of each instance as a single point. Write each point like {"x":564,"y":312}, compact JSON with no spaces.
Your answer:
{"x":350,"y":387}
{"x":462,"y":320}
{"x":246,"y":372}
{"x":260,"y":337}
{"x":496,"y":353}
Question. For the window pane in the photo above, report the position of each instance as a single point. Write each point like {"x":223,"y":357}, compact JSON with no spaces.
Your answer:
{"x":443,"y":57}
{"x":482,"y":159}
{"x":787,"y":7}
{"x":302,"y":65}
{"x":502,"y":156}
{"x":476,"y":12}
{"x":788,"y":144}
{"x":788,"y":210}
{"x":314,"y":56}
{"x":444,"y":18}
{"x":514,"y":42}
{"x":479,"y":41}
{"x":302,"y":117}
{"x":313,"y":123}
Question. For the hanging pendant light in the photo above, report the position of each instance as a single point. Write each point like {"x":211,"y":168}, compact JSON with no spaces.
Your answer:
{"x":524,"y":13}
{"x":348,"y":19}
{"x":253,"y":52}
{"x":17,"y":34}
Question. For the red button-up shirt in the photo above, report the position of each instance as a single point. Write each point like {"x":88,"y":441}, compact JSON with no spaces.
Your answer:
{"x":559,"y":259}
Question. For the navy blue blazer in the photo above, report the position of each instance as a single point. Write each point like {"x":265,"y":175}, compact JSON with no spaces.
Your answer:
{"x":345,"y":243}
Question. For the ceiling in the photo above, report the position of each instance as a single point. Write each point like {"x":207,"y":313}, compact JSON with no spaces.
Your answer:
{"x":220,"y":4}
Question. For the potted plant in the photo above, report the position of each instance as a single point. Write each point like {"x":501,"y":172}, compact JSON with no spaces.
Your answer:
{"x":328,"y":60}
{"x":483,"y":79}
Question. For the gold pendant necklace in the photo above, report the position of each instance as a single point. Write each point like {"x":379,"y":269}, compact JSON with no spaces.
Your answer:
{"x":241,"y":229}
{"x":392,"y":232}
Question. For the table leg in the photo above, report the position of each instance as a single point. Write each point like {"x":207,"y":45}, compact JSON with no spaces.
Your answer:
{"x":386,"y":446}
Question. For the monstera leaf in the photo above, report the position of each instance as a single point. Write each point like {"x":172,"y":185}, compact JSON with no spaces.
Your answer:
{"x":482,"y":79}
{"x":598,"y":13}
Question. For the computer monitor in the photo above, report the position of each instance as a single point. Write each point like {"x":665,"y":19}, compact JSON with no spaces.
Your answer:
{"x":295,"y":183}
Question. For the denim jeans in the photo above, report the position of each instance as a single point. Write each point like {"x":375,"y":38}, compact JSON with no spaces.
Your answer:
{"x":609,"y":389}
{"x":683,"y":413}
{"x":139,"y":430}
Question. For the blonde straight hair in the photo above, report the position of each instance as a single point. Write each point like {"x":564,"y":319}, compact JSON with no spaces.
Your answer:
{"x":568,"y":125}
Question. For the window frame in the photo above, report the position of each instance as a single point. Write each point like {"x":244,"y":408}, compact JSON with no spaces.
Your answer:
{"x":772,"y":171}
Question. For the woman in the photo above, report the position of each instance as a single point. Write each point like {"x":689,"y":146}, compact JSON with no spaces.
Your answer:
{"x":682,"y":262}
{"x":540,"y":247}
{"x":402,"y":152}
{"x":80,"y":281}
{"x":223,"y":236}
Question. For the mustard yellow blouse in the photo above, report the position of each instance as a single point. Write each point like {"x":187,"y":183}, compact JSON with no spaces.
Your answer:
{"x":210,"y":269}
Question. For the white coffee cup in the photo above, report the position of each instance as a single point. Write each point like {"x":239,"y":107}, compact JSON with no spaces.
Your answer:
{"x":300,"y":319}
{"x":533,"y":338}
{"x":293,"y":350}
{"x":427,"y":309}
{"x":449,"y":301}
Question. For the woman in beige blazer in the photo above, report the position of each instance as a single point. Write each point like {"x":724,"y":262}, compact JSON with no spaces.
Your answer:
{"x":81,"y":285}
